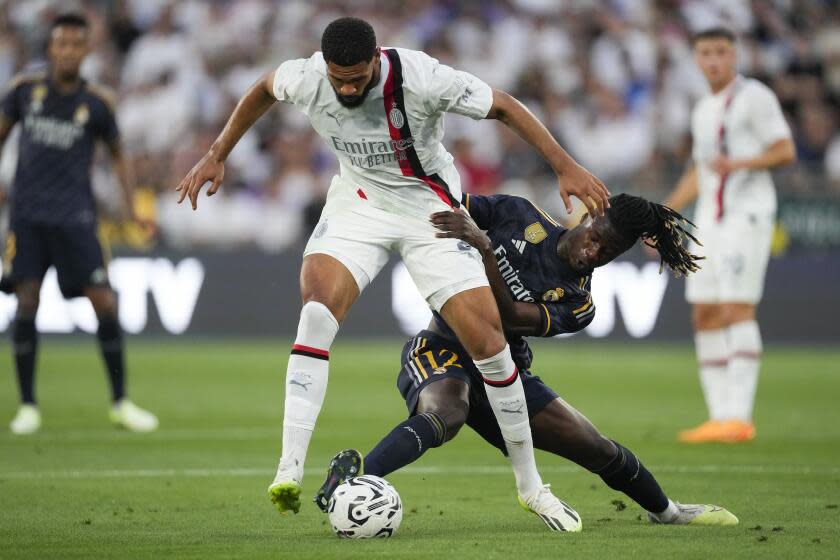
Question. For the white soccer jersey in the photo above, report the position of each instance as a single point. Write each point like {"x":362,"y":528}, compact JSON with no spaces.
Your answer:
{"x":741,"y":122}
{"x":390,"y":146}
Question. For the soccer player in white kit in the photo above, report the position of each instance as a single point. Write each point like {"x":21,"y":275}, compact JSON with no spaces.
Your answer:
{"x":381,"y":112}
{"x":739,"y":134}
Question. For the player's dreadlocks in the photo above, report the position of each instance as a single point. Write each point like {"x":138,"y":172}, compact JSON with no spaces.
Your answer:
{"x":659,"y":227}
{"x":348,"y":41}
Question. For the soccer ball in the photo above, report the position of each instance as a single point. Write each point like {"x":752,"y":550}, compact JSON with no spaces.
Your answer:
{"x":365,"y":507}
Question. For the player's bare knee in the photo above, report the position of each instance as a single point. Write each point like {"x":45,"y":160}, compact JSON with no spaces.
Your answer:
{"x":707,"y":317}
{"x":455,"y":417}
{"x":337,"y":302}
{"x":733,"y":313}
{"x":104,"y":302}
{"x":325,"y":280}
{"x":605,"y":448}
{"x":485,"y":342}
{"x":28,"y":298}
{"x":452,"y":416}
{"x":448,"y":399}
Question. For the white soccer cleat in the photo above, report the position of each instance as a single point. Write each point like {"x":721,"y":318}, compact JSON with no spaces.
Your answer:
{"x":697,"y":514}
{"x":26,"y":421}
{"x":284,"y":492}
{"x":128,"y":415}
{"x":555,"y":513}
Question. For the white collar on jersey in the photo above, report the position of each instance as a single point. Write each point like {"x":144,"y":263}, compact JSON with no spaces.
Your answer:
{"x":730,"y":88}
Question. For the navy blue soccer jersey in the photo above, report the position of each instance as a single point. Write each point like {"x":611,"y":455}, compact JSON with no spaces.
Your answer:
{"x":524,"y":239}
{"x":52,"y":182}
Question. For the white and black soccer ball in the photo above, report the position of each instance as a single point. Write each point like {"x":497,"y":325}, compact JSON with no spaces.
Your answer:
{"x":365,"y":507}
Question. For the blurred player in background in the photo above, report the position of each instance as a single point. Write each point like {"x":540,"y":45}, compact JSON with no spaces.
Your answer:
{"x":540,"y":274}
{"x":53,"y":214}
{"x":381,"y":112}
{"x":739,"y":134}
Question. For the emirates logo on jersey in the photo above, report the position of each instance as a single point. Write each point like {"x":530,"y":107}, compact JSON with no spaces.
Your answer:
{"x":396,"y":117}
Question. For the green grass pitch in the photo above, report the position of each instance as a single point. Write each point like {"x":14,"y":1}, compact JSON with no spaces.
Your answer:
{"x":197,"y":488}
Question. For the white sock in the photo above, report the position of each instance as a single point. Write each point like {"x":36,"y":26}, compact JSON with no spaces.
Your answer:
{"x":306,"y":386}
{"x":744,"y":363}
{"x":507,"y":399}
{"x":713,"y":353}
{"x":671,"y":512}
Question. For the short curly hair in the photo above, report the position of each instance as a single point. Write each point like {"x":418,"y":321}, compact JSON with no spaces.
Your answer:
{"x":348,"y":41}
{"x":719,"y":32}
{"x":69,"y":20}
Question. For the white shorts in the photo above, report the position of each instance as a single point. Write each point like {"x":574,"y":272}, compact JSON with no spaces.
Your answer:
{"x":737,"y":250}
{"x":361,"y":236}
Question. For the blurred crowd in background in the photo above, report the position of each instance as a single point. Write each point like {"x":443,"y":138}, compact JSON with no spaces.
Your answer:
{"x":613,"y":79}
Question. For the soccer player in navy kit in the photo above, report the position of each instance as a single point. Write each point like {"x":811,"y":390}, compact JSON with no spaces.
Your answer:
{"x":53,"y":214}
{"x":540,"y":274}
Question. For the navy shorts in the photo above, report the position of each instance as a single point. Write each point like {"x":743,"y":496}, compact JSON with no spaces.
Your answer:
{"x":74,"y":250}
{"x":429,"y":357}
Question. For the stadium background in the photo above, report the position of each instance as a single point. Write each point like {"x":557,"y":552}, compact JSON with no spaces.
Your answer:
{"x":618,"y":75}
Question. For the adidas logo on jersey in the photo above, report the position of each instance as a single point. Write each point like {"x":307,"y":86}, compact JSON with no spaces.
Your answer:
{"x":519,"y":244}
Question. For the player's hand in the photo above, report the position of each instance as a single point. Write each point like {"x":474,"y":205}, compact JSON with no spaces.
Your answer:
{"x":587,"y":187}
{"x":722,"y":165}
{"x":458,"y":224}
{"x":208,"y":169}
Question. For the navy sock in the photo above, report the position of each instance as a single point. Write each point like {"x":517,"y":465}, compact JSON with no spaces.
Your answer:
{"x":25,"y":347}
{"x":627,"y":474}
{"x":406,"y":443}
{"x":111,"y":345}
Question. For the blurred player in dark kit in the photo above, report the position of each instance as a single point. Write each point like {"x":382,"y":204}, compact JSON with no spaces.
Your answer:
{"x":53,"y":215}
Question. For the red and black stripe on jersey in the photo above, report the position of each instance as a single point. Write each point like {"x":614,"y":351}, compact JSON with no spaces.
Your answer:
{"x":410,"y":164}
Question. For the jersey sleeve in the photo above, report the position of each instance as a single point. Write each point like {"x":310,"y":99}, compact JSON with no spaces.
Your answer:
{"x":108,"y":130}
{"x":766,"y":116}
{"x":11,"y":103}
{"x":289,"y":80}
{"x":480,"y":209}
{"x":483,"y":208}
{"x":567,"y":316}
{"x":455,"y":91}
{"x":103,"y":113}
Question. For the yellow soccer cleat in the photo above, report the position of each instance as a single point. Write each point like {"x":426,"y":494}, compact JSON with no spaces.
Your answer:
{"x":26,"y":421}
{"x":697,"y":514}
{"x":285,"y":495}
{"x":126,"y":414}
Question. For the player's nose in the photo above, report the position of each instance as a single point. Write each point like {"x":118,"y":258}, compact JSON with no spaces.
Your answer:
{"x":347,"y":90}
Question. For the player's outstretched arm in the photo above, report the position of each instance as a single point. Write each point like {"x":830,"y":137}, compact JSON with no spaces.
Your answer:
{"x":125,"y":178}
{"x":573,"y":178}
{"x":211,"y":168}
{"x":781,"y":152}
{"x":518,"y":318}
{"x":685,"y":192}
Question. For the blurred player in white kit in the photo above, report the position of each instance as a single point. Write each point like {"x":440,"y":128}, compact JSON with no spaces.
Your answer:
{"x":739,"y":134}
